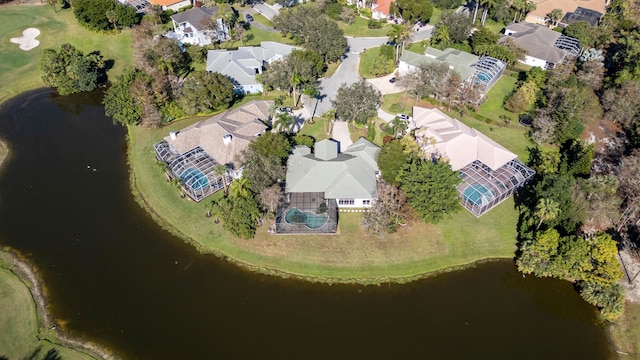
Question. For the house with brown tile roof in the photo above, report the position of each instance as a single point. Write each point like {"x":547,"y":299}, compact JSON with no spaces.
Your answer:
{"x":380,"y":10}
{"x":174,"y":5}
{"x":193,"y":153}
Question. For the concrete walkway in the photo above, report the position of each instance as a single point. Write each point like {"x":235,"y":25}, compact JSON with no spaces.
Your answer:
{"x":385,"y":115}
{"x":341,"y":133}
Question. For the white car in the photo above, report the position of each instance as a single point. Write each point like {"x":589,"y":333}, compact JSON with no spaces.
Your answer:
{"x":403,"y":117}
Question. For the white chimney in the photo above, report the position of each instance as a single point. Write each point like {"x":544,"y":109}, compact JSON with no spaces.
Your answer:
{"x":226,"y":139}
{"x":172,"y":135}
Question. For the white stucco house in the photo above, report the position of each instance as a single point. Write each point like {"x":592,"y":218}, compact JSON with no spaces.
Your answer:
{"x":197,"y":27}
{"x":544,"y":47}
{"x":242,"y":65}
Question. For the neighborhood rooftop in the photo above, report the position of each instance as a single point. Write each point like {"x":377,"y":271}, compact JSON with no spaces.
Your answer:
{"x":541,"y":42}
{"x":490,"y":173}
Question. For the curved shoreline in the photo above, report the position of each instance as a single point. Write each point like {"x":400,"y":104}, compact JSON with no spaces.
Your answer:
{"x":4,"y":152}
{"x":48,"y":329}
{"x":272,"y":271}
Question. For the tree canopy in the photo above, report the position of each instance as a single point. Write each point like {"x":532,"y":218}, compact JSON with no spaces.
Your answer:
{"x":204,"y":91}
{"x":314,"y":30}
{"x":413,"y":10}
{"x":70,"y":71}
{"x":431,"y":189}
{"x":118,"y":102}
{"x":104,"y":15}
{"x":391,"y":160}
{"x":357,"y":102}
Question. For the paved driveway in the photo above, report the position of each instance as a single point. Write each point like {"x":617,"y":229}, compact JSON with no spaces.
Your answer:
{"x":341,"y":133}
{"x":384,"y":86}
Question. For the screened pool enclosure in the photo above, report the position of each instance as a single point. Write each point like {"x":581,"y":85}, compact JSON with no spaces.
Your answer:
{"x":487,"y":71}
{"x":306,"y":213}
{"x":195,"y":170}
{"x":483,"y":188}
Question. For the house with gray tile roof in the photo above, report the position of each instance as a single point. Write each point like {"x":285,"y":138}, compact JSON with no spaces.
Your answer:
{"x":242,"y":65}
{"x":544,"y":47}
{"x":348,"y":176}
{"x":197,"y":27}
{"x":483,"y":70}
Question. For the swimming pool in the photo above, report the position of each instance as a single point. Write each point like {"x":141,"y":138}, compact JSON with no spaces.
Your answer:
{"x":312,"y":220}
{"x":483,"y":76}
{"x":477,"y":194}
{"x":194,"y":179}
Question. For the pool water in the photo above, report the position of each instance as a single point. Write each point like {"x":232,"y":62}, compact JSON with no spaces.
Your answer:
{"x":312,"y":220}
{"x":483,"y":76}
{"x":477,"y":194}
{"x":194,"y":178}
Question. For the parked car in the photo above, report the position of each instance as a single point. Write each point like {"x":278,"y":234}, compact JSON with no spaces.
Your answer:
{"x":404,"y":117}
{"x":249,"y":17}
{"x":286,"y":110}
{"x":392,"y":80}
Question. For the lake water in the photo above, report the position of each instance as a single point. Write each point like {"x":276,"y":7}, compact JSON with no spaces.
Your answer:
{"x":115,"y":278}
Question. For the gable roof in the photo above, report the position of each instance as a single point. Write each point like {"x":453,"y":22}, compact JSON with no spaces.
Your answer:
{"x":243,"y":124}
{"x":460,"y":144}
{"x":195,"y":16}
{"x":538,"y":41}
{"x":460,"y":61}
{"x":241,"y":64}
{"x":350,"y":174}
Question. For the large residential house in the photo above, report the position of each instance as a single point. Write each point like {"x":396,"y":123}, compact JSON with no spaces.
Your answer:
{"x":174,"y":5}
{"x":544,"y":47}
{"x":197,"y":27}
{"x":484,"y":70}
{"x":319,"y":183}
{"x":242,"y":65}
{"x":572,"y":10}
{"x":193,"y":153}
{"x":380,"y":9}
{"x":490,"y":173}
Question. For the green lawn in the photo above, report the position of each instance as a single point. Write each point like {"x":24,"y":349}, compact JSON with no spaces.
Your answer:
{"x":359,"y":28}
{"x":262,"y":20}
{"x":417,"y":47}
{"x":366,"y":62}
{"x":416,"y":249}
{"x":626,"y":332}
{"x":258,"y":37}
{"x":492,"y":107}
{"x":19,"y":70}
{"x":18,"y":319}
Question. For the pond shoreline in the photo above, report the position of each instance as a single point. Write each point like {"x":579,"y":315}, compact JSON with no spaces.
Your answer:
{"x":48,"y":328}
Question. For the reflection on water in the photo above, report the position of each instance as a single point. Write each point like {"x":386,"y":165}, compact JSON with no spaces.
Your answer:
{"x":115,"y":278}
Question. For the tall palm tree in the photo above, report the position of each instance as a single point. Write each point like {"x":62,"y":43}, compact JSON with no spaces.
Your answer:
{"x":441,"y":37}
{"x":546,"y":210}
{"x":313,"y":92}
{"x":555,"y":15}
{"x":178,"y":184}
{"x":285,"y":122}
{"x":528,"y":7}
{"x":488,"y":4}
{"x":221,"y":170}
{"x":164,"y":167}
{"x":271,"y":112}
{"x":296,"y":81}
{"x":399,"y":126}
{"x":519,"y":6}
{"x":240,"y":187}
{"x":401,"y":34}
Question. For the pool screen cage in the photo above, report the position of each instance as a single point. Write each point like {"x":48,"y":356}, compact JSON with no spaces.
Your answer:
{"x":313,"y":202}
{"x":487,"y":71}
{"x":570,"y":45}
{"x":483,"y":188}
{"x":194,"y":169}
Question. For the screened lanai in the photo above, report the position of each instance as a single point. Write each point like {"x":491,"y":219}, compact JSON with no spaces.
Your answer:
{"x":568,"y":44}
{"x":487,"y":71}
{"x":306,"y":213}
{"x":195,"y":169}
{"x":483,"y":188}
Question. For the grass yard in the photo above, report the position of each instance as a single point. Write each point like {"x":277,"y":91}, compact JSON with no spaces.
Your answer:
{"x":492,"y":108}
{"x":416,"y":249}
{"x":259,"y":18}
{"x":258,"y":37}
{"x":366,"y":62}
{"x":625,"y":332}
{"x":359,"y":28}
{"x":316,"y":130}
{"x":19,"y":70}
{"x":18,"y":317}
{"x":417,"y":47}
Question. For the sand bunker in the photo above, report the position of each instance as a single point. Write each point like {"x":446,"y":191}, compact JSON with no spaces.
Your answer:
{"x":28,"y":39}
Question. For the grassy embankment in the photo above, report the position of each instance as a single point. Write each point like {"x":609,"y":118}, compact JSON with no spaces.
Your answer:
{"x":23,"y":334}
{"x":350,"y":256}
{"x":19,"y":70}
{"x":626,"y":332}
